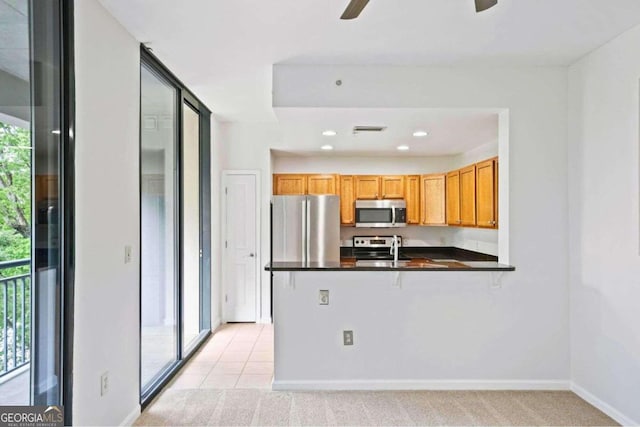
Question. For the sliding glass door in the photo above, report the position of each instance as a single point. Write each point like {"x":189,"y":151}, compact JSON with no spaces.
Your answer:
{"x":36,"y":199}
{"x":158,"y":214}
{"x":174,"y":212}
{"x":191,"y":235}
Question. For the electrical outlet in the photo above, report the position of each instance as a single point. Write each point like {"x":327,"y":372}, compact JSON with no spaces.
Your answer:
{"x":347,"y":337}
{"x":104,"y":383}
{"x":324,"y":297}
{"x":127,"y":254}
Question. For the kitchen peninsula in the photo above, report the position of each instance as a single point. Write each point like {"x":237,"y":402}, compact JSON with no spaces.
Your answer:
{"x":377,"y":324}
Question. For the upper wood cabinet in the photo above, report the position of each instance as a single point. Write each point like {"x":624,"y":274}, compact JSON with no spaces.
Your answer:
{"x":46,"y":187}
{"x":412,"y":198}
{"x":432,"y":206}
{"x":453,"y":198}
{"x":347,"y":200}
{"x":486,"y":194}
{"x":289,"y":184}
{"x":468,"y":195}
{"x":322,"y":184}
{"x":392,"y":187}
{"x":367,"y":187}
{"x":495,"y":188}
{"x":374,"y":187}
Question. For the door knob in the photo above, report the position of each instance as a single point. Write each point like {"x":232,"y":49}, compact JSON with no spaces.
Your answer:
{"x":252,"y":255}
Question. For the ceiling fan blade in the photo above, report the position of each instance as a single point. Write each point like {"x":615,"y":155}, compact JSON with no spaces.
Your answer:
{"x":485,"y":4}
{"x":353,"y":9}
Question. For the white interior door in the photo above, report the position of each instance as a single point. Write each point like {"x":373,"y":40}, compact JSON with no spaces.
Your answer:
{"x":240,"y":288}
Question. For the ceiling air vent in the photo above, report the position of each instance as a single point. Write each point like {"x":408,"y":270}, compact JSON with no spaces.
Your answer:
{"x":360,"y":129}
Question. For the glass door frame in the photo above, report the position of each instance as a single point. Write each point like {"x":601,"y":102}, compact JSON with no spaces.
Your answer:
{"x":55,"y":26}
{"x":152,"y":63}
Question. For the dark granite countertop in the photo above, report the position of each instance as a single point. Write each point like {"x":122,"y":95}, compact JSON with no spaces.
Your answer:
{"x":421,"y":259}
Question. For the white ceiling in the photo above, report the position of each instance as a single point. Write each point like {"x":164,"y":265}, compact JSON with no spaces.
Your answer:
{"x":14,"y":38}
{"x":450,"y":131}
{"x":224,"y":49}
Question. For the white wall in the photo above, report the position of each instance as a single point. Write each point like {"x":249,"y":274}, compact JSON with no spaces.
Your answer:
{"x":604,"y":254}
{"x":435,"y":330}
{"x":534,"y":298}
{"x":107,"y":217}
{"x":362,"y":165}
{"x":478,"y":154}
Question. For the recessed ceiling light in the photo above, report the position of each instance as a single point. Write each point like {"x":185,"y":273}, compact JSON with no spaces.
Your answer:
{"x":327,"y":147}
{"x":403,"y":147}
{"x":329,"y":132}
{"x":420,"y":133}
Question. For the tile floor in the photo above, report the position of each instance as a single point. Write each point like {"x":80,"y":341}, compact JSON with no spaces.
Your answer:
{"x":238,"y":355}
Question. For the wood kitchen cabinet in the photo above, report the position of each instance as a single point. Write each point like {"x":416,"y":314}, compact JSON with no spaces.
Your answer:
{"x":486,"y":194}
{"x":433,"y":200}
{"x":374,"y":187}
{"x":453,"y":198}
{"x":495,"y":188}
{"x":289,"y":184}
{"x":347,"y":200}
{"x":412,"y":198}
{"x":323,"y":184}
{"x":468,"y":196}
{"x":46,"y":187}
{"x":367,"y":187}
{"x":392,"y":187}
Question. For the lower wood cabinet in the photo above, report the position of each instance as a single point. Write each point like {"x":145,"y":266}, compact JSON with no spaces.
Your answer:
{"x":433,"y":200}
{"x":412,"y":198}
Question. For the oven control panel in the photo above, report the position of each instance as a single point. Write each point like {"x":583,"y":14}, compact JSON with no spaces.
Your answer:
{"x":374,"y":241}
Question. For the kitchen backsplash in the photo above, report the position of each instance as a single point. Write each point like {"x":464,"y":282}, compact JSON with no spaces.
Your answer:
{"x":479,"y":240}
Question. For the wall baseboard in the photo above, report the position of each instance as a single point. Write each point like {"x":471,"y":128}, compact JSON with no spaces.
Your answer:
{"x":423,"y":385}
{"x":265,"y":320}
{"x":603,"y":406}
{"x":132,"y":417}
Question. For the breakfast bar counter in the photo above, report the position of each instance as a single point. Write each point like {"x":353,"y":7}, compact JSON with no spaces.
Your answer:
{"x":350,"y":264}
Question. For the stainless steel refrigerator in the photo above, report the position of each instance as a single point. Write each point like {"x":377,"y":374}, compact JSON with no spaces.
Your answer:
{"x":305,"y":229}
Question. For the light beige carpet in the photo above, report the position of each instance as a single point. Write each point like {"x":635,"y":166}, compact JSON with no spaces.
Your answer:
{"x":397,"y":408}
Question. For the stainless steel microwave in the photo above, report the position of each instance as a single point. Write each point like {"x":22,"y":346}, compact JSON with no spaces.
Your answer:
{"x":381,"y":213}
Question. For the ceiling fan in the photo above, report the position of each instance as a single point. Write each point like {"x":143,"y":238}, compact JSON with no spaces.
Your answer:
{"x":355,"y":7}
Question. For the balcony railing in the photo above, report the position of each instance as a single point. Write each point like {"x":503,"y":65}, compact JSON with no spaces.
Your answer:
{"x":15,"y":315}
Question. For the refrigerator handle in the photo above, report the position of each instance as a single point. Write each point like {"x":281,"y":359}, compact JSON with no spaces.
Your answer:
{"x":303,"y":233}
{"x":308,"y":224}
